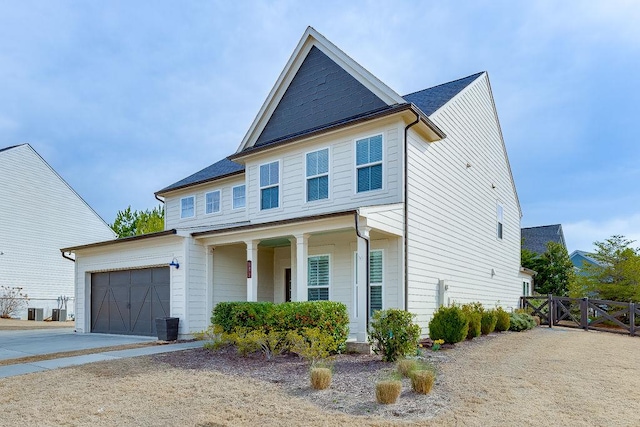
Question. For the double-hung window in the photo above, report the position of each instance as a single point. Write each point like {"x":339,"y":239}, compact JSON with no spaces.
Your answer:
{"x":187,"y":207}
{"x":376,"y":278}
{"x":212,"y":202}
{"x":318,"y":278}
{"x":500,"y":219}
{"x":318,"y":175}
{"x":270,"y":185}
{"x":369,"y":163}
{"x":239,"y":200}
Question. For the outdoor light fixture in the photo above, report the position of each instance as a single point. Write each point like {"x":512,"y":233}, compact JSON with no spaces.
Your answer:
{"x":174,"y":263}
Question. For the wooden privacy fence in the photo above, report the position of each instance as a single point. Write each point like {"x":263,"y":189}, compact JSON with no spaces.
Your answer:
{"x":585,"y":313}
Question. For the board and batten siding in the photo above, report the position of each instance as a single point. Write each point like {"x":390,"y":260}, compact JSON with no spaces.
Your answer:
{"x":154,"y":252}
{"x":455,"y":186}
{"x":39,"y":214}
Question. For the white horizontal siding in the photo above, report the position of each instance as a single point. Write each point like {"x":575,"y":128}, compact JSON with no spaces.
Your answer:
{"x":229,"y":273}
{"x":452,"y":209}
{"x":39,"y":214}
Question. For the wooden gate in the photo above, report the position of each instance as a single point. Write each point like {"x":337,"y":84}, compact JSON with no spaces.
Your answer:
{"x":585,"y":313}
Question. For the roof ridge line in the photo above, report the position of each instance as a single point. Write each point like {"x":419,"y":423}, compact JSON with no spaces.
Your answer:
{"x":445,"y":83}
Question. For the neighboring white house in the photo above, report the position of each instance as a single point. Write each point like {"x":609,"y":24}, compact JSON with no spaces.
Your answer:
{"x":39,"y":214}
{"x":336,"y":172}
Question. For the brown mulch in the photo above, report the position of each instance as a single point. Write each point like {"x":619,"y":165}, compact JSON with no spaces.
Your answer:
{"x":352,"y":388}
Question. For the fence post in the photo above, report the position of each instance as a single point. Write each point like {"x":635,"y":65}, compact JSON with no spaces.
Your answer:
{"x":632,"y":318}
{"x":551,"y":307}
{"x":584,"y":318}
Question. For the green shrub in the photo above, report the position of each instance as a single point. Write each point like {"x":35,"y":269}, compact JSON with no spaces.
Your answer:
{"x":474,"y":316}
{"x":449,"y":324}
{"x":273,"y":323}
{"x":521,"y":322}
{"x":503,"y":320}
{"x":393,"y":333}
{"x":313,"y":344}
{"x":488,"y":321}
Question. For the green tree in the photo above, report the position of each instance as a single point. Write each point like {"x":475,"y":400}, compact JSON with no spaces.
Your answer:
{"x":554,"y":267}
{"x":133,"y":223}
{"x":616,"y":276}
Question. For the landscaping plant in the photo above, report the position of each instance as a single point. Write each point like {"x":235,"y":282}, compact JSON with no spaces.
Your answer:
{"x":388,"y":391}
{"x":12,"y":300}
{"x":422,"y":381}
{"x":320,"y":378}
{"x":488,"y":321}
{"x":393,"y":334}
{"x":521,"y":322}
{"x":502,"y":320}
{"x":312,"y":344}
{"x":407,"y":366}
{"x":449,"y":324}
{"x":474,"y":316}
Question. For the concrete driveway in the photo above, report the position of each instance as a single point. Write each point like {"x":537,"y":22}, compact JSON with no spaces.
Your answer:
{"x":15,"y":344}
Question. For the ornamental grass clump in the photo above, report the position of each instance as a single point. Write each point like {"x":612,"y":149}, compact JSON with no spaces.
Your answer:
{"x":407,"y":366}
{"x":388,"y":391}
{"x":320,"y":378}
{"x":422,"y":381}
{"x":503,"y":320}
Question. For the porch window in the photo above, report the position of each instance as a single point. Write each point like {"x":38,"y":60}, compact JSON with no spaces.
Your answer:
{"x":270,"y":185}
{"x":212,"y":202}
{"x":375,"y":281}
{"x":187,"y":207}
{"x":239,"y":200}
{"x":369,"y":163}
{"x":500,"y":218}
{"x":318,"y":278}
{"x":318,"y":175}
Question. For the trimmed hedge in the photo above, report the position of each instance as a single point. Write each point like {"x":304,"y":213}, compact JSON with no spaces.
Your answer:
{"x":327,"y":316}
{"x":488,"y":322}
{"x":449,"y":324}
{"x":503,"y":320}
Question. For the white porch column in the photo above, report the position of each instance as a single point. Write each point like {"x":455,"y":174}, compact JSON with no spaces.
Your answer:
{"x":301,"y":255}
{"x":294,"y":269}
{"x":361,"y":285}
{"x":252,"y":270}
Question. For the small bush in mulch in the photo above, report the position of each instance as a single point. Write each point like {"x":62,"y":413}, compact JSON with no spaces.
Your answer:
{"x":320,"y":378}
{"x":502,"y":320}
{"x":488,"y":321}
{"x":388,"y":391}
{"x":422,"y":381}
{"x":521,"y":322}
{"x":393,"y":334}
{"x":449,"y":324}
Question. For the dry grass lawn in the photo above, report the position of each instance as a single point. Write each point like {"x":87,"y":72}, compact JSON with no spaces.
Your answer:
{"x":20,"y":324}
{"x":541,"y":377}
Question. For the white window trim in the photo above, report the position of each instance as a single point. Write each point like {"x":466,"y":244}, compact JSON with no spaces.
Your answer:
{"x":499,"y":221}
{"x":279,"y":185}
{"x":364,"y":165}
{"x":219,"y":206}
{"x":330,"y":274}
{"x":194,"y":206}
{"x":307,"y":177}
{"x":233,"y":199}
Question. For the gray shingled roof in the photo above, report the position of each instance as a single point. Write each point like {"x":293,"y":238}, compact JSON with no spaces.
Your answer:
{"x":431,"y":99}
{"x":428,"y":100}
{"x":535,"y":239}
{"x":222,"y":168}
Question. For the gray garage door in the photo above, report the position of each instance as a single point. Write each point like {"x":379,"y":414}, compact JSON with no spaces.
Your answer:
{"x":127,"y":302}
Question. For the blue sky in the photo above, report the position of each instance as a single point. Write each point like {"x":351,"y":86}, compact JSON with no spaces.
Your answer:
{"x":124,"y":98}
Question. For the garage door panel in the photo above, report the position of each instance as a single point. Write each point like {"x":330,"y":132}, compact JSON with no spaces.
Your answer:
{"x":127,"y":302}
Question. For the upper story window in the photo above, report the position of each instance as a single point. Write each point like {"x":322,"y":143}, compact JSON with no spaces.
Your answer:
{"x":187,"y":207}
{"x":369,"y":163}
{"x":239,"y":200}
{"x":212,"y":202}
{"x":270,"y":185}
{"x":318,"y":175}
{"x":318,"y":278}
{"x":500,"y":219}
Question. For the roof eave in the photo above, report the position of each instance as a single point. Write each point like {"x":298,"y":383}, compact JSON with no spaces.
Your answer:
{"x":191,"y":184}
{"x":121,"y":240}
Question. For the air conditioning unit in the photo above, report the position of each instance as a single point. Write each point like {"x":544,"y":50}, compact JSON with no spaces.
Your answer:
{"x":59,"y":315}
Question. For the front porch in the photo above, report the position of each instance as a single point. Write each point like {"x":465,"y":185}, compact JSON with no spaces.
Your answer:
{"x":322,"y":259}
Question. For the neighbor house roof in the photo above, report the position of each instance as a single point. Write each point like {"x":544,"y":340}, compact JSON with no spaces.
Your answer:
{"x":586,"y":255}
{"x":535,"y":239}
{"x":427,"y":100}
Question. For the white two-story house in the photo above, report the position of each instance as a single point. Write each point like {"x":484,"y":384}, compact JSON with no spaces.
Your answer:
{"x":341,"y":189}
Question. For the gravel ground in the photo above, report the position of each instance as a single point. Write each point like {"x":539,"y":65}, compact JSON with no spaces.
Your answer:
{"x":542,"y":377}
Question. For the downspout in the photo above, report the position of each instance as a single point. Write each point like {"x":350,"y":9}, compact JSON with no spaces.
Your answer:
{"x":406,"y":211}
{"x":67,"y":257}
{"x":366,"y":241}
{"x":159,"y":199}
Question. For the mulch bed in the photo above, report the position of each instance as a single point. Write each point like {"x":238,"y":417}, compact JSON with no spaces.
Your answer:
{"x":352,"y":389}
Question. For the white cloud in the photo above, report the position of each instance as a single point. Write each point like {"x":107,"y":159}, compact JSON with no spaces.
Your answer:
{"x":582,"y":234}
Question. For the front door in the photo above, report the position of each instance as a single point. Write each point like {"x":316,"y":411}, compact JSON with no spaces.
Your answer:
{"x":287,"y":284}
